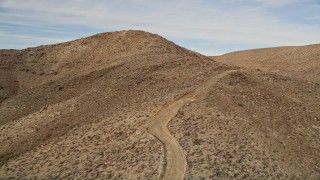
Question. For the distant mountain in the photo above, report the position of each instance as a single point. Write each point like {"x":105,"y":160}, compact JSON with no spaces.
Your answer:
{"x":133,"y":105}
{"x":296,"y":61}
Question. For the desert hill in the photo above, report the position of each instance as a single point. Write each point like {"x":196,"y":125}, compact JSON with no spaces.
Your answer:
{"x":295,"y":61}
{"x":99,"y":107}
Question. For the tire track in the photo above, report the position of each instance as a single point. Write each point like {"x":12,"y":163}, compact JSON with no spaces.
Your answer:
{"x":174,"y":157}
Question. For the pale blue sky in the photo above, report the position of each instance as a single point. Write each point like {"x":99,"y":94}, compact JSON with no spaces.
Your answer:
{"x":209,"y":27}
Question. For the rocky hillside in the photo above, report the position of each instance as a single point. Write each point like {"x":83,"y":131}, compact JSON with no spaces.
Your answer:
{"x":99,"y":107}
{"x":295,"y":61}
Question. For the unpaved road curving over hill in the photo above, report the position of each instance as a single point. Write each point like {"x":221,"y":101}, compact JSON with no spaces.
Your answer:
{"x":175,"y":160}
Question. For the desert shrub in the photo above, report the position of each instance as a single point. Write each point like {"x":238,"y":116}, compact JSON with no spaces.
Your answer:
{"x":197,"y":141}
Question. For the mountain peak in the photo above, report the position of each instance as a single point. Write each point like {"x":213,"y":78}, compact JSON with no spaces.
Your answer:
{"x":85,"y":55}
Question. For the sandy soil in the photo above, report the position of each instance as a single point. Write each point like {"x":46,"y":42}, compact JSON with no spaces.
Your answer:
{"x":247,"y":128}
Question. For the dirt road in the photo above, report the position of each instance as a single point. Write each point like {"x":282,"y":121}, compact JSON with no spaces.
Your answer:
{"x":175,"y":160}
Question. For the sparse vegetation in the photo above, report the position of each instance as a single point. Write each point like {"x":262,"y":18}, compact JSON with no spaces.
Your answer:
{"x":196,"y":141}
{"x":82,"y":109}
